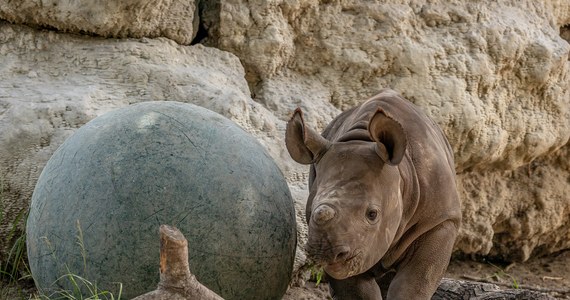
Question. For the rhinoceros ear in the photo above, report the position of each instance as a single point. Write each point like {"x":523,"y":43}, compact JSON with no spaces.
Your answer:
{"x":305,"y":145}
{"x":390,"y":138}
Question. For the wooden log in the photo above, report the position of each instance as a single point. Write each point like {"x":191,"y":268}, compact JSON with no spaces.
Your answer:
{"x":176,"y":281}
{"x":451,"y":289}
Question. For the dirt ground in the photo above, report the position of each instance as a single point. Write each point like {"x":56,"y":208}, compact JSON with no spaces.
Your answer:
{"x":550,"y":274}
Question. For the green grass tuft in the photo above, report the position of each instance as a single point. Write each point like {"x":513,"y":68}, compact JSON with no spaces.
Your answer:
{"x":500,"y":273}
{"x":15,"y":276}
{"x":15,"y":273}
{"x":14,"y":267}
{"x":80,"y":285}
{"x":317,"y":274}
{"x":81,"y":288}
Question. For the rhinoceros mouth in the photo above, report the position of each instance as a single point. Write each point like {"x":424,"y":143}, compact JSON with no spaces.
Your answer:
{"x":345,"y":268}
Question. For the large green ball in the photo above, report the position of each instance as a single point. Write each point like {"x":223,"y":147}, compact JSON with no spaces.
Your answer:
{"x":100,"y":199}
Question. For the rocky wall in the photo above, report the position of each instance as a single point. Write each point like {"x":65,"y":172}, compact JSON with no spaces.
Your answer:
{"x":174,"y":19}
{"x":494,"y":75}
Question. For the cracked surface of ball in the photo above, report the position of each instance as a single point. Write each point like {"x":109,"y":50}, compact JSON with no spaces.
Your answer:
{"x":102,"y":196}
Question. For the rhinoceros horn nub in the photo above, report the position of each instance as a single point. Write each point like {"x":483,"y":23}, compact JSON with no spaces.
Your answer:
{"x":323,"y":213}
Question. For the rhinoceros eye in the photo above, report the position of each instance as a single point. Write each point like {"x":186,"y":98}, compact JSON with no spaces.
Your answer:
{"x":371,"y":215}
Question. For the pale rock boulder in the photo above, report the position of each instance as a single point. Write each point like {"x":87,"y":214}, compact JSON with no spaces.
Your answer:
{"x":518,"y":214}
{"x":494,"y":75}
{"x":254,"y":29}
{"x":53,"y":83}
{"x":174,"y":19}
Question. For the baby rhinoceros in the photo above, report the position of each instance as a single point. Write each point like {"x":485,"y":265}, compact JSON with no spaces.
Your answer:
{"x":382,"y":199}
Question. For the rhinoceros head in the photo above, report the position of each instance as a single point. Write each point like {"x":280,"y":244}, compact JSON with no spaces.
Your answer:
{"x":355,"y":202}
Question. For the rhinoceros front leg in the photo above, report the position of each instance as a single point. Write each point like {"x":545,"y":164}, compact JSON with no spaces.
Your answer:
{"x":418,"y":275}
{"x":360,"y":287}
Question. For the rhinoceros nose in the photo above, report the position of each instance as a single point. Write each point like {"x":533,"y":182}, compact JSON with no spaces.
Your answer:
{"x":341,"y":253}
{"x":323,"y":213}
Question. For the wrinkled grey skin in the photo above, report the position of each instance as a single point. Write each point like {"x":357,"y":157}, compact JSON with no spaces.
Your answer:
{"x":382,"y":199}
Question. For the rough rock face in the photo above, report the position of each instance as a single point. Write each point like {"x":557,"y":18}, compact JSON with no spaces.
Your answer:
{"x":494,"y":75}
{"x":477,"y":68}
{"x":173,"y":19}
{"x":519,"y":213}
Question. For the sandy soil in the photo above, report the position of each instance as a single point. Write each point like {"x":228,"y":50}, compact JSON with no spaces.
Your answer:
{"x":549,"y":274}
